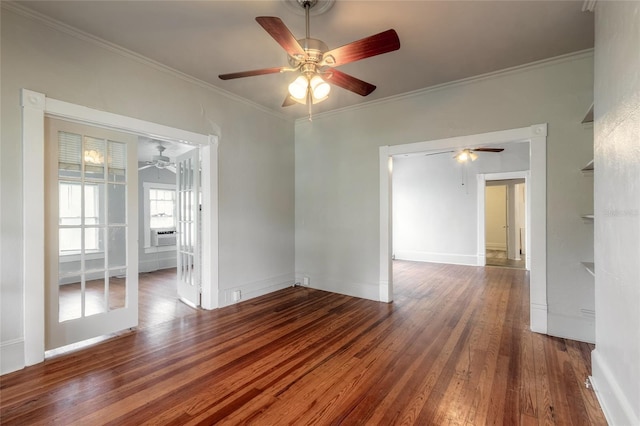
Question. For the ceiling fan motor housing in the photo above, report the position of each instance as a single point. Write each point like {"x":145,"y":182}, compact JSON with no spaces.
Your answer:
{"x":314,"y":49}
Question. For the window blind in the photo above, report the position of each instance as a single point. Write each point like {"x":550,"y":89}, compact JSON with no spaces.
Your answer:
{"x":69,"y":151}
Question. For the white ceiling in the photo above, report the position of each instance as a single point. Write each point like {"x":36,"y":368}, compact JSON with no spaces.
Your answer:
{"x":441,"y":41}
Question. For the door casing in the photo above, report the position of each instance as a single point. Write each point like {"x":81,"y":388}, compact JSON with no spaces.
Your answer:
{"x":35,"y":106}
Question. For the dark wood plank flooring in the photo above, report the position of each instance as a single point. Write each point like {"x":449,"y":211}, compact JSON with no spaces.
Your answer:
{"x":157,"y":298}
{"x":454,"y":348}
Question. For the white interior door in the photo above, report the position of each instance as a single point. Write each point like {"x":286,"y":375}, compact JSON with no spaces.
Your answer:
{"x":188,"y":226}
{"x":91,"y":207}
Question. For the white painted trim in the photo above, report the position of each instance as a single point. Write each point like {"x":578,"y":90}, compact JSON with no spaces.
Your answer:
{"x":386,"y":226}
{"x":482,"y":183}
{"x":496,"y":246}
{"x":256,"y":288}
{"x":210,"y":297}
{"x":451,"y":258}
{"x":538,"y":316}
{"x":11,"y":355}
{"x":536,"y":135}
{"x":35,"y":106}
{"x":465,"y":81}
{"x":617,"y":408}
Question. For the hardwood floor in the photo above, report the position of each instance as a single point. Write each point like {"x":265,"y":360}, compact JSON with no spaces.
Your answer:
{"x":454,"y":348}
{"x":157,"y":295}
{"x":499,"y":258}
{"x":158,"y":298}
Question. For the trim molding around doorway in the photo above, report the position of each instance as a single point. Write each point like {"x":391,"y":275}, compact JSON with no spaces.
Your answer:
{"x":35,"y":106}
{"x":482,"y":182}
{"x":536,"y":135}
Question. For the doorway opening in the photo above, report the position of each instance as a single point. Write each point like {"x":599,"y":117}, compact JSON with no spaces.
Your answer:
{"x":505,"y":223}
{"x":160,"y":259}
{"x":536,"y":136}
{"x":35,"y":107}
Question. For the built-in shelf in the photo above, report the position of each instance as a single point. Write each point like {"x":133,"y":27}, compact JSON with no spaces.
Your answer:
{"x":588,"y":218}
{"x":588,"y":117}
{"x":588,"y":168}
{"x":590,"y":267}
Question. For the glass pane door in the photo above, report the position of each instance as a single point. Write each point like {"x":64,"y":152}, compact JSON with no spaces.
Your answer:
{"x":92,"y":229}
{"x":188,"y":219}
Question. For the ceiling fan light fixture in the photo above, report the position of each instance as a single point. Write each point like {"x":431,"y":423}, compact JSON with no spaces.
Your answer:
{"x":466,"y":155}
{"x":462,"y":157}
{"x":93,"y":157}
{"x":298,"y":89}
{"x":319,"y":88}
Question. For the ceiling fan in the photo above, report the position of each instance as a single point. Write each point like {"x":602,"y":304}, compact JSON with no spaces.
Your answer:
{"x":315,"y":63}
{"x":160,"y":161}
{"x":467,"y":154}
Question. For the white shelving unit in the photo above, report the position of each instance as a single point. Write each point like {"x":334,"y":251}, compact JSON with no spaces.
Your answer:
{"x":587,"y":170}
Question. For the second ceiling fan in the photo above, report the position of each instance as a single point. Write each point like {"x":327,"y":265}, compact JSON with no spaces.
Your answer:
{"x":315,"y":63}
{"x":466,"y":154}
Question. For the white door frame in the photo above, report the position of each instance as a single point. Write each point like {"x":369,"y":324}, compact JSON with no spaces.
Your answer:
{"x":482,"y":182}
{"x":34,"y":108}
{"x":536,"y":135}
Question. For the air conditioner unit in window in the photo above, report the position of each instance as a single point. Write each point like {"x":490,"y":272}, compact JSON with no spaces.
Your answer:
{"x":163,"y":237}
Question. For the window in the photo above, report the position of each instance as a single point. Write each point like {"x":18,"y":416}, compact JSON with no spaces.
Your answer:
{"x":159,"y":211}
{"x":161,"y":208}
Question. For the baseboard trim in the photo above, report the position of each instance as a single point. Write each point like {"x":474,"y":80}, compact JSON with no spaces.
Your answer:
{"x":255,"y":289}
{"x":614,"y":403}
{"x":538,"y":318}
{"x":11,"y":356}
{"x":450,"y":258}
{"x":362,"y":290}
{"x":581,"y":329}
{"x":496,"y":246}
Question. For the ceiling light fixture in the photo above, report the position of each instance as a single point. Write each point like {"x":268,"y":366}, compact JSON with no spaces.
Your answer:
{"x":466,"y":155}
{"x":94,"y":157}
{"x":316,"y":87}
{"x":314,"y":62}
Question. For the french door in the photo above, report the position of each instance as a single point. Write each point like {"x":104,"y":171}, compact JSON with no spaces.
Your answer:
{"x":188,"y":224}
{"x":91,"y":268}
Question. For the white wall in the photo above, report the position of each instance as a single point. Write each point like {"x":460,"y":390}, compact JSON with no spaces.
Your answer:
{"x":496,"y":217}
{"x":337,"y":177}
{"x":256,"y":173}
{"x":434,"y":214}
{"x":616,"y":360}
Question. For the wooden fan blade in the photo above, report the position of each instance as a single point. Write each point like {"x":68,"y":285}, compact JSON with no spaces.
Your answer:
{"x":280,"y":33}
{"x":349,"y":82}
{"x":378,"y":44}
{"x":252,"y":73}
{"x":488,"y":149}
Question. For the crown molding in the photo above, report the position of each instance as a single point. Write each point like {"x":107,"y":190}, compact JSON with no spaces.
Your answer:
{"x":129,"y":54}
{"x":469,"y":80}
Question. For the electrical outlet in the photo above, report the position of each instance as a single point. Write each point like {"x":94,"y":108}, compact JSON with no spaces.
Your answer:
{"x":306,"y":281}
{"x":237,"y":295}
